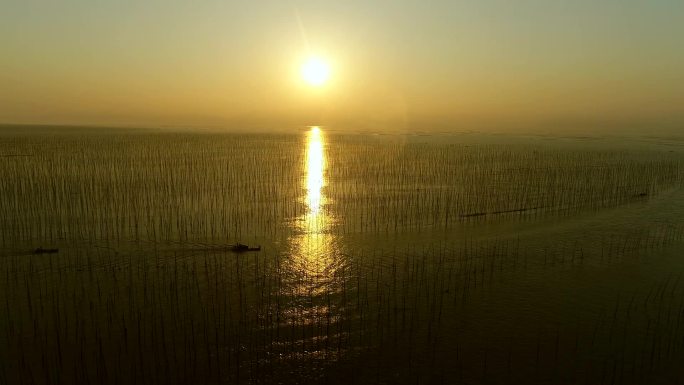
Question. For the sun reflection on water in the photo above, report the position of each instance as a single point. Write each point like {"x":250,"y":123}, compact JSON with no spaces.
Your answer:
{"x":312,"y":252}
{"x":315,"y":168}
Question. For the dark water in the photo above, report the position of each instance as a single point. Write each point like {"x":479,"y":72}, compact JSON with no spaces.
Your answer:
{"x":424,"y":259}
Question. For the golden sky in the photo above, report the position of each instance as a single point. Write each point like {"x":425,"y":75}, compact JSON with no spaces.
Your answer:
{"x":395,"y":65}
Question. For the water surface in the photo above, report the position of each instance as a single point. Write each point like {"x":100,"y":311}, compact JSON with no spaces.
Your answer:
{"x":400,"y":259}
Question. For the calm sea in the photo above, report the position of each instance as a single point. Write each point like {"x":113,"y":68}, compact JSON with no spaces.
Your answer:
{"x":464,"y":258}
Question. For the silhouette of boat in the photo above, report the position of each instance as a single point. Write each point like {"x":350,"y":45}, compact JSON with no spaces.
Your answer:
{"x":41,"y":250}
{"x":241,"y":248}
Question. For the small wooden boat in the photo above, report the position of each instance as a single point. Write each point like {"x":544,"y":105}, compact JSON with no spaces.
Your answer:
{"x":241,"y":248}
{"x":41,"y":250}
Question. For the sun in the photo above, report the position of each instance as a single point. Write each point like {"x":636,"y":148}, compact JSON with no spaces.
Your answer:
{"x":315,"y":71}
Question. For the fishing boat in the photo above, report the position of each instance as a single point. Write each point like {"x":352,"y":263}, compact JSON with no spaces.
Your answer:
{"x":240,"y":248}
{"x":41,"y":250}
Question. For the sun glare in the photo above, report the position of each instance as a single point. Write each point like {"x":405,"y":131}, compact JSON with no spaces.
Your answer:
{"x":315,"y":71}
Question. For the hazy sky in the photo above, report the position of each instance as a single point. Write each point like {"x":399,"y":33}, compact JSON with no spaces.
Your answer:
{"x":395,"y":64}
